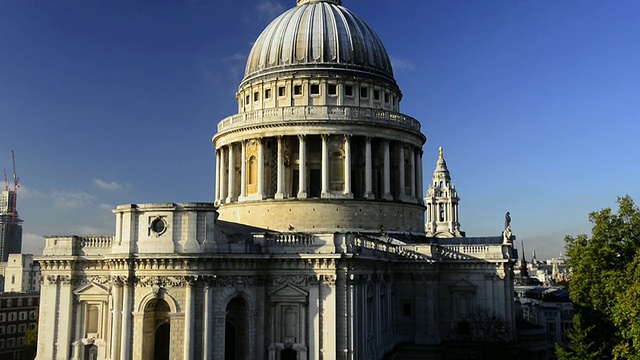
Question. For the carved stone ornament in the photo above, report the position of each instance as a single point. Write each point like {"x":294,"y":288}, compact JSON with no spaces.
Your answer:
{"x":166,"y":281}
{"x":235,"y":281}
{"x":299,"y":280}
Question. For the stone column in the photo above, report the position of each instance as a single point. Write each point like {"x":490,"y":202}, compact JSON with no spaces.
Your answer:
{"x":223,"y":176}
{"x":217,"y":190}
{"x":207,"y":349}
{"x":403,"y":191}
{"x":231,"y":177}
{"x":189,"y":326}
{"x":243,"y":170}
{"x":125,"y":336}
{"x":280,"y":186}
{"x":368,"y":170}
{"x":420,"y":179}
{"x":314,"y":319}
{"x":325,"y":167}
{"x":116,"y":318}
{"x":347,"y":166}
{"x":219,"y":321}
{"x":260,"y":168}
{"x":387,"y":173}
{"x":351,"y":312}
{"x":302,"y":171}
{"x":80,"y":311}
{"x":65,"y":327}
{"x":413,"y":174}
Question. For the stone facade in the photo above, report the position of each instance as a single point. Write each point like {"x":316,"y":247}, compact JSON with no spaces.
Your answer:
{"x":315,"y":246}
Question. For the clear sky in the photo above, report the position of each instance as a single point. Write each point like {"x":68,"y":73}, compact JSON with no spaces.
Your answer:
{"x":537,"y":104}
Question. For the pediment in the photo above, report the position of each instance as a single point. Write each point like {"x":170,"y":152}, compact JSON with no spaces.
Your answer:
{"x":288,"y":293}
{"x":92,"y":289}
{"x":463,"y":286}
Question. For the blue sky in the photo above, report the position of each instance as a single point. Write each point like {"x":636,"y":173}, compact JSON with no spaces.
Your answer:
{"x":537,"y":104}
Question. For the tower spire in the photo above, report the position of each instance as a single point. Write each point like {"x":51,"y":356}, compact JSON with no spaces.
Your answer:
{"x":442,"y":203}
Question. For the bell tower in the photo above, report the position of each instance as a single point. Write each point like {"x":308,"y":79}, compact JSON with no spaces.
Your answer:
{"x":442,"y":204}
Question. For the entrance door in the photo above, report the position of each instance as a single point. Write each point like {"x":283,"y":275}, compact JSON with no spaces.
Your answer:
{"x":288,"y":354}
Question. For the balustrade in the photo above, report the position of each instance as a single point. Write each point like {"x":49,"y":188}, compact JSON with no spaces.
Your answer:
{"x":315,"y":113}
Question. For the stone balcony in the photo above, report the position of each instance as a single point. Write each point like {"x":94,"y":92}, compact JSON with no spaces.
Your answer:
{"x":301,"y":114}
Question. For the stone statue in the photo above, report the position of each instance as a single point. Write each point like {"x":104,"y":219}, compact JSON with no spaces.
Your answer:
{"x":507,"y":234}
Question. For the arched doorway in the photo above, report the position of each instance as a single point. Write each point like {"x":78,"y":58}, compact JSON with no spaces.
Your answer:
{"x":156,"y":331}
{"x":236,"y":327}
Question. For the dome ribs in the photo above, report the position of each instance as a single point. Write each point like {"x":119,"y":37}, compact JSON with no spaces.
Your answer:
{"x":333,"y":40}
{"x":318,"y":34}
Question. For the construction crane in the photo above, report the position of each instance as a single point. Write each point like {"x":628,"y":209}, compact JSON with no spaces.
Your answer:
{"x":6,"y":183}
{"x":16,"y":185}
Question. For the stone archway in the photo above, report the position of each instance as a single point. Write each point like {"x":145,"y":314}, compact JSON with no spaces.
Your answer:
{"x":156,"y":330}
{"x":236,"y":337}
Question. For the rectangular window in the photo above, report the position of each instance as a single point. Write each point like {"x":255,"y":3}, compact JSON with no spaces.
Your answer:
{"x":297,"y":90}
{"x":22,"y":328}
{"x":256,"y":96}
{"x":332,"y":89}
{"x":23,"y":315}
{"x":2,"y":330}
{"x":267,"y":94}
{"x":246,"y":101}
{"x":32,"y":314}
{"x":21,"y":341}
{"x":281,"y":91}
{"x":13,"y":316}
{"x":364,"y":92}
{"x":3,"y":318}
{"x":11,"y":329}
{"x":1,"y":343}
{"x":376,"y":94}
{"x":348,"y":90}
{"x":315,"y":89}
{"x":386,"y":97}
{"x":11,"y":342}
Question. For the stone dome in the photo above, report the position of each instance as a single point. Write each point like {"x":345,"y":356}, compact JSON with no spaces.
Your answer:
{"x":318,"y":34}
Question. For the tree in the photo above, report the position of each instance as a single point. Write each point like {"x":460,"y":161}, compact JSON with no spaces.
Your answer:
{"x":605,"y":286}
{"x":30,"y":345}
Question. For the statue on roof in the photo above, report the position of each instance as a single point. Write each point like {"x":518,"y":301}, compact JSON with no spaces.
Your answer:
{"x":507,"y":235}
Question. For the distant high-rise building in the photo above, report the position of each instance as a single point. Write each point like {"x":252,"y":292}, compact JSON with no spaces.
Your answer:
{"x":10,"y":228}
